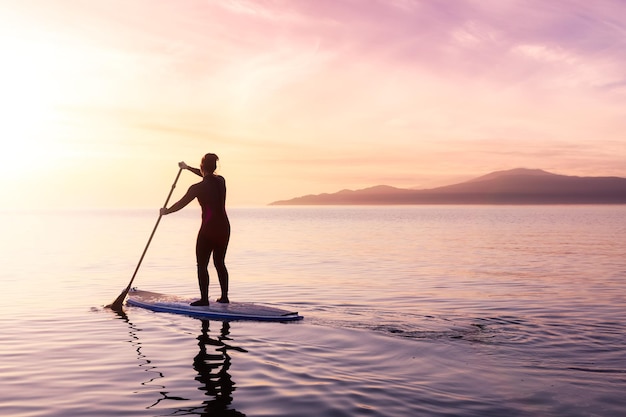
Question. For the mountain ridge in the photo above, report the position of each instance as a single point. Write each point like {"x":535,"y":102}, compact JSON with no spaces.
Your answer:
{"x":515,"y":186}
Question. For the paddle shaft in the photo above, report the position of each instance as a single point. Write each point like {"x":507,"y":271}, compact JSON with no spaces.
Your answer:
{"x":117,"y":304}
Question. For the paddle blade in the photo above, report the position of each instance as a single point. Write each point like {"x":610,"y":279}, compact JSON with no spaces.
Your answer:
{"x":119,"y":301}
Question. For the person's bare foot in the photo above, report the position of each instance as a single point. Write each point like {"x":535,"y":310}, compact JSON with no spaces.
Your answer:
{"x":200,"y":302}
{"x":223,"y":300}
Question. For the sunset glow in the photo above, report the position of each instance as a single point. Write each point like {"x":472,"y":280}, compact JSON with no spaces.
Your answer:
{"x":100,"y":100}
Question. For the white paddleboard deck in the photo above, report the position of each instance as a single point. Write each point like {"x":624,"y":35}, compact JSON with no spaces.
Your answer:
{"x":164,"y":303}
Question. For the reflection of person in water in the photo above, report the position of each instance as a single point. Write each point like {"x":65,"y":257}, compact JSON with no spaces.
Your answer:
{"x":212,"y":368}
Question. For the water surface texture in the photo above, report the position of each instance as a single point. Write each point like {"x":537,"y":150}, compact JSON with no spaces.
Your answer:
{"x":421,"y":310}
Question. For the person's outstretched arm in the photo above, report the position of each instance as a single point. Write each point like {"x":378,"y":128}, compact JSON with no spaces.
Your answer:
{"x":196,"y":171}
{"x":186,"y":199}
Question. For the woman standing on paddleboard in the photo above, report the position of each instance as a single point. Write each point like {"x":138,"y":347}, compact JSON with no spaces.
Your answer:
{"x":215,"y":229}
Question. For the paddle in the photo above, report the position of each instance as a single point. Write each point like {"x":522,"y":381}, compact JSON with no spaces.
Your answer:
{"x":119,"y":301}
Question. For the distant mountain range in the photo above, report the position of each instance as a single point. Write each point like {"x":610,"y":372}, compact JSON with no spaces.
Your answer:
{"x":516,"y":186}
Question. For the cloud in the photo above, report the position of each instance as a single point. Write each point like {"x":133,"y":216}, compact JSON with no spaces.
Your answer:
{"x":544,"y":53}
{"x":618,"y":85}
{"x":398,"y":87}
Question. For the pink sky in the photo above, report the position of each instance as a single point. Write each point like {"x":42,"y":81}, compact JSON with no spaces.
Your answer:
{"x":100,"y":100}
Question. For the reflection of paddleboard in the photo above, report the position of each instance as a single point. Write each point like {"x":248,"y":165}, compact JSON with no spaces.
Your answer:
{"x":232,"y":311}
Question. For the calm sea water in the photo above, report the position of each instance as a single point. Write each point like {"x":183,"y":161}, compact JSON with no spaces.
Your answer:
{"x":409,"y":311}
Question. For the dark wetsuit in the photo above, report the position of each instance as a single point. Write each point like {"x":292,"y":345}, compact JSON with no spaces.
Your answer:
{"x":214,"y":232}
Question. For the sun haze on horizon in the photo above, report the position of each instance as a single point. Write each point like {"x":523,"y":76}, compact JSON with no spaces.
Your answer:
{"x":100,"y":100}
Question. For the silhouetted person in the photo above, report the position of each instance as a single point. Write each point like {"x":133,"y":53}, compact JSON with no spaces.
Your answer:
{"x":215,"y":228}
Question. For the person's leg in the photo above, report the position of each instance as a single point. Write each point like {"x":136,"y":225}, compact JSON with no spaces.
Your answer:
{"x":219,"y":255}
{"x":203,"y":254}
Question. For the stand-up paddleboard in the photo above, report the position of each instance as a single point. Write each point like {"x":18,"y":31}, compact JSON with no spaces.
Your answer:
{"x":232,"y":311}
